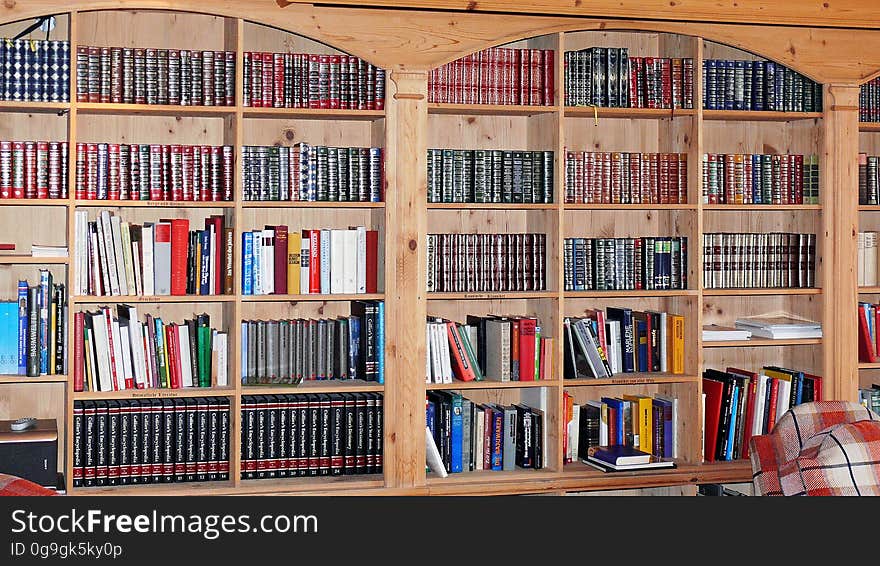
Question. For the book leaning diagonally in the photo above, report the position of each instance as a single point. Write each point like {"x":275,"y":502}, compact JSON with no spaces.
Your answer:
{"x":432,"y":455}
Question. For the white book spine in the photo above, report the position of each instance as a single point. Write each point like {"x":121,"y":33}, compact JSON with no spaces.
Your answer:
{"x":220,"y":346}
{"x":185,"y":359}
{"x":118,"y":254}
{"x":437,"y":353}
{"x":305,"y":246}
{"x":338,"y":261}
{"x":325,"y":261}
{"x":361,"y":259}
{"x":107,"y":263}
{"x":138,"y":278}
{"x":244,"y":350}
{"x":128,"y":258}
{"x":574,"y":432}
{"x":94,"y":283}
{"x":479,"y":418}
{"x":212,"y":261}
{"x":125,"y":348}
{"x":80,"y":252}
{"x":428,"y":378}
{"x":258,"y":260}
{"x":758,"y":417}
{"x":446,"y":356}
{"x":117,"y":355}
{"x":102,"y":349}
{"x":147,"y":239}
{"x":352,"y":262}
{"x":137,"y":348}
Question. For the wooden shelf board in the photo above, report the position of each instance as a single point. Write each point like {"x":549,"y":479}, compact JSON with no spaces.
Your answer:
{"x":640,"y":378}
{"x":490,"y":109}
{"x":369,"y":482}
{"x":862,"y":207}
{"x":82,"y":203}
{"x":312,"y":297}
{"x":157,"y":393}
{"x":490,"y":206}
{"x":759,"y":116}
{"x":34,"y":107}
{"x":747,"y":292}
{"x":25,"y":379}
{"x":312,"y":113}
{"x":310,"y":204}
{"x":502,"y":295}
{"x":314,"y":386}
{"x":631,"y":294}
{"x":30,"y":260}
{"x":761,"y":207}
{"x":90,"y":300}
{"x":34,"y":201}
{"x":634,"y":113}
{"x":869,"y":290}
{"x":759,"y":342}
{"x":153,"y":489}
{"x":640,"y":206}
{"x":487,"y":384}
{"x":869,"y":365}
{"x":117,"y":109}
{"x":869,"y":126}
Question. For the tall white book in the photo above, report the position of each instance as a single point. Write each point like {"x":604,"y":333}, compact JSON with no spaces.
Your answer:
{"x":162,"y":257}
{"x":361,"y":259}
{"x":305,"y":246}
{"x":147,"y":235}
{"x":118,"y":254}
{"x":338,"y":261}
{"x":353,"y":262}
{"x":185,"y":358}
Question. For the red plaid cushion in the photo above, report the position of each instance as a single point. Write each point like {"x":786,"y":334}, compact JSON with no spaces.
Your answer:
{"x":811,"y":431}
{"x":12,"y":485}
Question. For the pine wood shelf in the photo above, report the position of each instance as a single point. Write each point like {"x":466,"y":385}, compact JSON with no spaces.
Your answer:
{"x":314,"y":386}
{"x":312,"y":113}
{"x":156,"y":489}
{"x":156,"y":393}
{"x":499,"y":295}
{"x":638,"y":378}
{"x":635,"y":206}
{"x":491,"y":206}
{"x":84,"y":203}
{"x":632,"y":294}
{"x":490,"y":109}
{"x":34,"y":107}
{"x":312,"y":297}
{"x":18,"y":379}
{"x":632,"y":113}
{"x":309,"y":204}
{"x":368,"y":483}
{"x":759,"y":116}
{"x":760,"y":207}
{"x":489,"y":384}
{"x":869,"y":290}
{"x":770,"y":291}
{"x":31,"y":260}
{"x":92,"y":300}
{"x":34,"y":201}
{"x":760,"y":342}
{"x":869,"y":365}
{"x":118,"y":109}
{"x":869,"y":208}
{"x":869,"y":126}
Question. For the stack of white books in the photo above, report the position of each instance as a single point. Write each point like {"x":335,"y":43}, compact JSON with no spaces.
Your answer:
{"x":48,"y":251}
{"x":780,"y":327}
{"x":716,"y":333}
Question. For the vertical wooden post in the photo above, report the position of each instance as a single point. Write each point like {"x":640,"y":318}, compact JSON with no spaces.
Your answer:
{"x":840,"y":228}
{"x":406,"y":225}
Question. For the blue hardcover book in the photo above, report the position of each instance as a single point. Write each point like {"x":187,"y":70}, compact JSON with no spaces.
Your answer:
{"x":616,"y":404}
{"x":731,"y":430}
{"x":457,"y":435}
{"x":496,"y":441}
{"x":739,"y":79}
{"x":624,"y":316}
{"x":354,"y":342}
{"x":247,"y":263}
{"x":325,"y":261}
{"x":756,"y":179}
{"x":29,"y":66}
{"x":769,"y":85}
{"x":799,"y":398}
{"x":244,"y":352}
{"x":45,"y":298}
{"x":22,"y":327}
{"x":8,"y":338}
{"x":748,"y":91}
{"x":205,"y":271}
{"x":779,"y":89}
{"x":642,"y":337}
{"x":431,"y":416}
{"x":665,"y":410}
{"x":709,"y":84}
{"x":3,"y":68}
{"x":53,"y":67}
{"x":758,"y":95}
{"x":64,"y":72}
{"x":729,"y":86}
{"x":16,"y":70}
{"x":312,"y":187}
{"x":380,"y":341}
{"x":375,"y":174}
{"x":39,"y":70}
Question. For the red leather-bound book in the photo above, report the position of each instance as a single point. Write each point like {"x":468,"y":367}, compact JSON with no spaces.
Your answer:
{"x":217,"y":245}
{"x":527,"y":328}
{"x":523,"y":62}
{"x":714,"y":391}
{"x":461,"y":365}
{"x":549,"y":84}
{"x":536,"y":77}
{"x":867,"y":352}
{"x":79,"y":321}
{"x":179,"y":243}
{"x":372,"y":261}
{"x":773,"y":383}
{"x":315,"y":261}
{"x":281,"y":260}
{"x":173,"y":346}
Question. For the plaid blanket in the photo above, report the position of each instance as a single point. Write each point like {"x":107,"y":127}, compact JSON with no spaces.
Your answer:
{"x":820,"y":448}
{"x":12,"y":485}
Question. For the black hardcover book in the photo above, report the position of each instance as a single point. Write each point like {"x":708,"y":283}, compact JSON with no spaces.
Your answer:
{"x":224,"y":436}
{"x":168,"y":437}
{"x":525,"y":451}
{"x":325,"y":434}
{"x":283,"y":437}
{"x":314,"y":436}
{"x":293,"y":424}
{"x":157,"y":442}
{"x":202,"y":436}
{"x":261,"y":436}
{"x":361,"y":431}
{"x":124,"y":443}
{"x":380,"y":433}
{"x":349,"y":432}
{"x":147,"y":440}
{"x":538,"y":437}
{"x":271,"y":433}
{"x":90,"y":444}
{"x":179,"y":415}
{"x":113,"y":442}
{"x":507,"y":176}
{"x":248,"y":420}
{"x":337,"y":442}
{"x":101,"y":443}
{"x":78,"y":420}
{"x":372,"y":432}
{"x":192,"y":432}
{"x":135,"y":439}
{"x":213,"y":438}
{"x":302,"y":432}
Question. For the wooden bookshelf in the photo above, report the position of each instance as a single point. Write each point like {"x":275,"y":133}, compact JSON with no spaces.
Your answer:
{"x":409,"y":125}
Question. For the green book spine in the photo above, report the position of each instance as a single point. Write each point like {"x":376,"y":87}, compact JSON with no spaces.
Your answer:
{"x":469,"y":350}
{"x":160,"y":354}
{"x":204,"y":337}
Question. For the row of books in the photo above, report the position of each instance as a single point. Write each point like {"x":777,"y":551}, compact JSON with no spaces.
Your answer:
{"x":609,"y":77}
{"x":869,"y":101}
{"x":869,"y":179}
{"x":311,"y":435}
{"x":760,"y":179}
{"x":496,"y":75}
{"x":33,"y":329}
{"x":307,"y":172}
{"x":615,"y":264}
{"x":33,"y":70}
{"x":477,"y":175}
{"x":647,"y":423}
{"x":293,"y":351}
{"x":624,"y":178}
{"x":494,"y":348}
{"x":622,"y":340}
{"x":750,"y":261}
{"x":867,"y":245}
{"x":147,"y":75}
{"x":119,"y":352}
{"x":469,"y":436}
{"x":276,"y":260}
{"x":111,"y":171}
{"x":117,"y":258}
{"x":309,"y":80}
{"x":144,"y":441}
{"x":758,"y":85}
{"x":869,"y":345}
{"x":739,"y":404}
{"x":486,"y":262}
{"x":33,"y":169}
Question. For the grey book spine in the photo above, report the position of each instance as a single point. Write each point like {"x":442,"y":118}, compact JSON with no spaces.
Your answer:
{"x":284,"y":351}
{"x":272,"y":345}
{"x":508,"y":461}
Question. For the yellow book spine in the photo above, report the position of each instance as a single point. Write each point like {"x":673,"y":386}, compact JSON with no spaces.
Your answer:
{"x":676,"y":336}
{"x":53,"y":324}
{"x":294,"y":243}
{"x":646,"y":436}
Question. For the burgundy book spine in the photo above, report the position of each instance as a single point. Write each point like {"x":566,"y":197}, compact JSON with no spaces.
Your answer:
{"x":267,"y":79}
{"x":113,"y":187}
{"x":278,"y":80}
